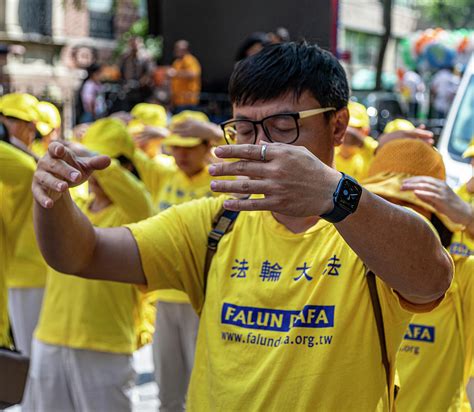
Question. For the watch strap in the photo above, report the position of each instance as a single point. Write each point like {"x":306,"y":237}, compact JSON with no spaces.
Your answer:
{"x":336,"y":215}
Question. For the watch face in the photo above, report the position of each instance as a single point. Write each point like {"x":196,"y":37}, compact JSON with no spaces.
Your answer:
{"x":349,"y":195}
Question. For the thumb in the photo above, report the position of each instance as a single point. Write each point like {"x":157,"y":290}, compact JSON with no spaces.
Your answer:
{"x":99,"y":162}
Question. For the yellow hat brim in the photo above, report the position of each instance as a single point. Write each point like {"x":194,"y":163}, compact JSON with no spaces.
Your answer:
{"x":469,"y":152}
{"x":388,"y":185}
{"x":355,"y":122}
{"x":176,"y":140}
{"x":44,"y":128}
{"x":19,"y":114}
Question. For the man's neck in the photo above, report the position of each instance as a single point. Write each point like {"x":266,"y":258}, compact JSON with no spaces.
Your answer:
{"x":296,"y":224}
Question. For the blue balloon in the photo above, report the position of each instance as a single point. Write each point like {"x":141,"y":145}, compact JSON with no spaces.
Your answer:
{"x":439,"y":56}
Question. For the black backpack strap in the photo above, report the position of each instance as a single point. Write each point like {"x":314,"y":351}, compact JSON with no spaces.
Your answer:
{"x":374,"y":298}
{"x":223,"y":223}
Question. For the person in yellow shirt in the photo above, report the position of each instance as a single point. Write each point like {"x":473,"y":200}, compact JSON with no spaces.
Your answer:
{"x":87,"y":331}
{"x":185,"y":179}
{"x":48,"y":126}
{"x":26,"y":270}
{"x":435,"y":357}
{"x":459,"y":206}
{"x":354,"y":155}
{"x":286,"y":320}
{"x":148,"y":127}
{"x":185,"y":75}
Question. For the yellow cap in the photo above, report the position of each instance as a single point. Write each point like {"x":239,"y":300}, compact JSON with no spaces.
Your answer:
{"x":150,"y":114}
{"x":398,"y":124}
{"x":109,"y":137}
{"x":185,"y":141}
{"x":21,"y":106}
{"x":358,"y":115}
{"x":49,"y":118}
{"x":399,"y":160}
{"x":470,"y":150}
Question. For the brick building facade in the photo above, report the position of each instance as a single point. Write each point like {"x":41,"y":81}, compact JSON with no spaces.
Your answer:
{"x":53,"y":40}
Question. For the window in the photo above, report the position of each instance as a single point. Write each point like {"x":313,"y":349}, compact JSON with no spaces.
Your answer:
{"x":463,"y":127}
{"x":101,"y":18}
{"x":35,"y":16}
{"x":364,"y":47}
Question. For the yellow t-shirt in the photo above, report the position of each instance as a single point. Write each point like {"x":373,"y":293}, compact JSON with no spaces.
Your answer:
{"x":435,"y":357}
{"x":92,"y":314}
{"x":186,"y":91}
{"x":4,"y":321}
{"x":27,"y":268}
{"x":39,"y":148}
{"x":357,"y":165}
{"x":287,"y":323}
{"x":170,"y":186}
{"x":462,"y":243}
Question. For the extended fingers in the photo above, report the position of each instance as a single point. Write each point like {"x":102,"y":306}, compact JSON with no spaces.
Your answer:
{"x":416,"y":180}
{"x":240,"y":168}
{"x":41,"y":196}
{"x":249,"y":204}
{"x":50,"y":182}
{"x":245,"y":151}
{"x":58,"y":168}
{"x":244,"y":186}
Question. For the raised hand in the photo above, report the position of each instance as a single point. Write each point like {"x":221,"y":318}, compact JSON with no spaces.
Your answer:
{"x":293,"y":181}
{"x":418,"y":133}
{"x":61,"y":169}
{"x":438,"y":194}
{"x":197,"y":128}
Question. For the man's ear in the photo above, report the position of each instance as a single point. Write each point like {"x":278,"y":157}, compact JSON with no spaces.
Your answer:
{"x":339,"y":124}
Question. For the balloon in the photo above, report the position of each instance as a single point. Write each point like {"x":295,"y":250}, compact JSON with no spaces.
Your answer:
{"x":439,"y":56}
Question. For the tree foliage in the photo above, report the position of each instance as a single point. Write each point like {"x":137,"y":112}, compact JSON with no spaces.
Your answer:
{"x":448,"y":14}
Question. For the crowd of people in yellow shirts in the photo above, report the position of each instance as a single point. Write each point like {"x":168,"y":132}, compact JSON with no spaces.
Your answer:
{"x":81,"y":333}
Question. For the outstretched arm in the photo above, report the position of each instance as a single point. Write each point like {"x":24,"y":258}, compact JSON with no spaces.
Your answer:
{"x":67,"y":239}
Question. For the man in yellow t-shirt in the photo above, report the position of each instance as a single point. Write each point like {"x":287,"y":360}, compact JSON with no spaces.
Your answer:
{"x":183,"y":180}
{"x":89,"y":329}
{"x":354,"y":155}
{"x":185,"y":75}
{"x":459,"y":206}
{"x":48,"y":126}
{"x":436,"y":344}
{"x":26,"y":270}
{"x":286,"y":316}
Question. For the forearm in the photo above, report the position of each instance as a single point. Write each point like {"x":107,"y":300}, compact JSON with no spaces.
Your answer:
{"x":186,"y":74}
{"x":125,"y":191}
{"x":65,"y":236}
{"x":399,"y":247}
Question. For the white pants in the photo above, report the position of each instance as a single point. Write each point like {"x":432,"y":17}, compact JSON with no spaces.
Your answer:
{"x":24,"y":306}
{"x":470,"y":392}
{"x":174,"y":344}
{"x":64,"y":379}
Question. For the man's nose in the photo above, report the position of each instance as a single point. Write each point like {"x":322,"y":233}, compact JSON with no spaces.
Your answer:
{"x":260,"y":135}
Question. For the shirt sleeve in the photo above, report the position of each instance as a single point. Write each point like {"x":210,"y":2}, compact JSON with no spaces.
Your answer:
{"x":151,"y":172}
{"x":173,"y":246}
{"x":125,"y":191}
{"x":16,"y":166}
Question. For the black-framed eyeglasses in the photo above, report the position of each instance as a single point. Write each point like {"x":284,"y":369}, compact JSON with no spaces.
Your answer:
{"x":279,"y":128}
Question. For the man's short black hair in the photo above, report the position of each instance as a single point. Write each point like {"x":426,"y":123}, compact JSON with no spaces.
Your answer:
{"x":289,"y":68}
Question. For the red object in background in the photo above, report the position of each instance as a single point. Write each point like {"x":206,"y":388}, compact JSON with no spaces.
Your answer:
{"x":344,"y":55}
{"x":160,"y":77}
